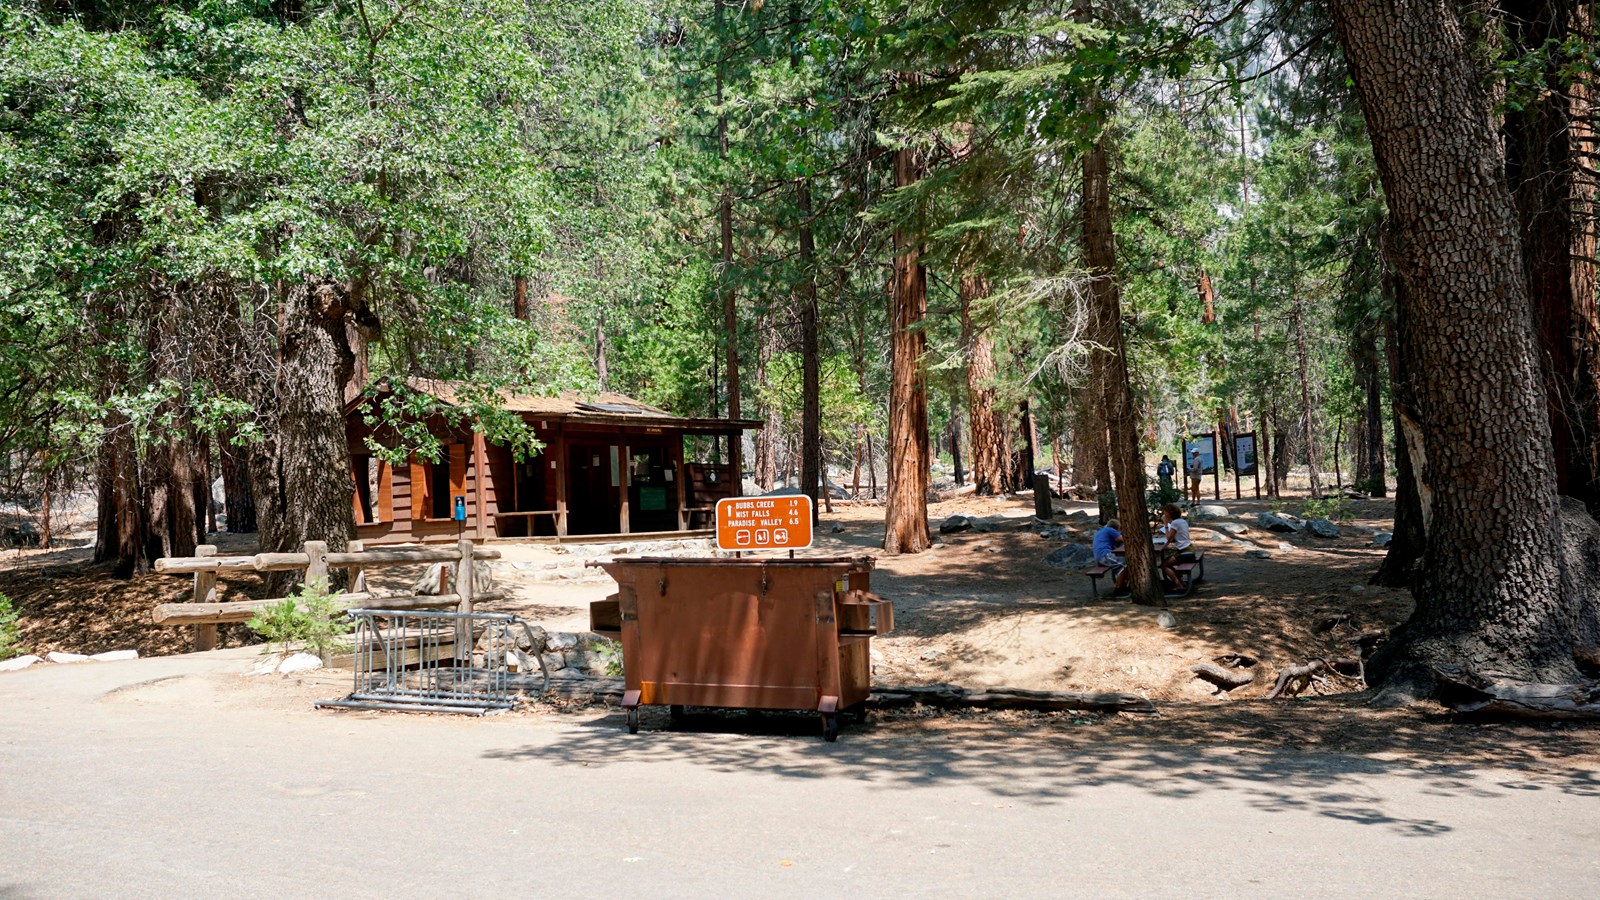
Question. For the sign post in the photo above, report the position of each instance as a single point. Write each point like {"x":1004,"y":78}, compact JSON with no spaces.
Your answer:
{"x":1245,"y":462}
{"x":764,"y":523}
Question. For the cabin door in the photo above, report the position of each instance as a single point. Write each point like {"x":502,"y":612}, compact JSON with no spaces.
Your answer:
{"x":594,"y":504}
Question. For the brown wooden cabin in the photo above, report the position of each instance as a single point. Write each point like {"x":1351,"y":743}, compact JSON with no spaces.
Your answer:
{"x":610,"y":466}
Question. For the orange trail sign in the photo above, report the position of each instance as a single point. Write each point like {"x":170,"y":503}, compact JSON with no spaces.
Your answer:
{"x":764,"y":523}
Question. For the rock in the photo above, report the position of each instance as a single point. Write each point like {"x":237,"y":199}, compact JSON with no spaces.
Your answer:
{"x":1283,"y":524}
{"x":1358,"y":588}
{"x":1056,"y":533}
{"x":1285,"y":547}
{"x":1210,"y":511}
{"x":113,"y":655}
{"x":980,"y":526}
{"x":300,"y":662}
{"x":20,"y":662}
{"x":1258,"y":554}
{"x":980,"y":545}
{"x":561,"y":640}
{"x":1070,"y":556}
{"x":1166,"y":619}
{"x":836,"y":529}
{"x":1079,"y":515}
{"x":1216,"y":537}
{"x":56,"y":656}
{"x":1382,"y":539}
{"x":931,"y":654}
{"x":266,"y":666}
{"x":553,"y":661}
{"x":1232,"y":527}
{"x":955,"y":525}
{"x":428,"y":584}
{"x":1322,"y":528}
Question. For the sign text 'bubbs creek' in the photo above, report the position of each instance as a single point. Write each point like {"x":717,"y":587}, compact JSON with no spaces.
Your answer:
{"x":764,"y":523}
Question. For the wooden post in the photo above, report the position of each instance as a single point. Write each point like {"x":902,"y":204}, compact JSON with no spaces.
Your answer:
{"x":1043,"y":510}
{"x":465,"y":589}
{"x":624,"y":477}
{"x":480,"y":481}
{"x":683,"y":491}
{"x":317,"y":568}
{"x":205,"y":591}
{"x":559,"y":448}
{"x":358,"y":577}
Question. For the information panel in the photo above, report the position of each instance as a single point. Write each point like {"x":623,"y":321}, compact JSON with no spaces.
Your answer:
{"x":764,"y":523}
{"x":1244,"y":453}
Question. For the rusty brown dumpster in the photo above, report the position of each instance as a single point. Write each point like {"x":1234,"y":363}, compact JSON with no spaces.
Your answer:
{"x":744,"y":633}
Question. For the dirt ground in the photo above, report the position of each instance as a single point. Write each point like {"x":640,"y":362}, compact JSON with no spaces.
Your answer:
{"x":981,"y":609}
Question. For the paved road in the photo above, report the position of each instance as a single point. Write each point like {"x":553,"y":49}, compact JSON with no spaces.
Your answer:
{"x":161,"y":778}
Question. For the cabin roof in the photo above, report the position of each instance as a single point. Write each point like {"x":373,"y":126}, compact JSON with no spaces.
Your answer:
{"x":598,"y":407}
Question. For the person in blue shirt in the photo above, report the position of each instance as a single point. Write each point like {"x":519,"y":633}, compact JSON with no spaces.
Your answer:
{"x":1105,"y":552}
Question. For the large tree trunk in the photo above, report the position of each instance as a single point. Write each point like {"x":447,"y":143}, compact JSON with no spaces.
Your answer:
{"x":1554,"y":194}
{"x":988,"y":434}
{"x":1371,"y":473}
{"x":300,"y":472}
{"x":810,"y":353}
{"x":1100,"y":258}
{"x":1308,"y":415}
{"x":1489,"y":594}
{"x":730,"y":308}
{"x":1409,"y":540}
{"x":906,"y":504}
{"x":238,"y":500}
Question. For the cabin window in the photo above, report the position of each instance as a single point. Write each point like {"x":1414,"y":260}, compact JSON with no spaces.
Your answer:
{"x":435,"y":485}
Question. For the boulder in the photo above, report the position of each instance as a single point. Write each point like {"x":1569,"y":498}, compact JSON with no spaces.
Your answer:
{"x":1281,"y":523}
{"x":56,"y":656}
{"x":300,"y":662}
{"x":1056,"y":533}
{"x":20,"y":662}
{"x":1322,"y":528}
{"x":1166,"y":619}
{"x":1382,"y":539}
{"x":955,"y":525}
{"x":114,"y":655}
{"x":561,"y":640}
{"x":837,"y":529}
{"x":1285,"y":547}
{"x":1210,"y":511}
{"x":1070,"y":556}
{"x":428,"y":584}
{"x":1258,"y":554}
{"x":1232,"y":527}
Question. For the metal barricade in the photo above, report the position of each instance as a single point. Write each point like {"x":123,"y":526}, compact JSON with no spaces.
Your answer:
{"x":426,"y":661}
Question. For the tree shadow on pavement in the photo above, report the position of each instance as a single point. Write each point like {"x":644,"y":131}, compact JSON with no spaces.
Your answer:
{"x":1325,"y":756}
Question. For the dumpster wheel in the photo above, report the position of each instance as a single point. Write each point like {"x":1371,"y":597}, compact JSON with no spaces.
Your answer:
{"x":830,"y":726}
{"x":633,"y":720}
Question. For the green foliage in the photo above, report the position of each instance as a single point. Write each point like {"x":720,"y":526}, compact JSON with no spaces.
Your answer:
{"x":10,"y":635}
{"x":1334,"y":509}
{"x":311,"y":620}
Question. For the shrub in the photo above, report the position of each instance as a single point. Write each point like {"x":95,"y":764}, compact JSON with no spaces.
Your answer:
{"x":10,"y":635}
{"x":311,"y":620}
{"x":1334,"y":509}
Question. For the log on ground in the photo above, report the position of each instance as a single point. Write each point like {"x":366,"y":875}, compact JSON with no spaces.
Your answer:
{"x":948,"y":696}
{"x":1223,"y":679}
{"x":1466,"y":691}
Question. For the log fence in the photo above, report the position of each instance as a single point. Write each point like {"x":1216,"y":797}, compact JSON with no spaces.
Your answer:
{"x":457,"y":589}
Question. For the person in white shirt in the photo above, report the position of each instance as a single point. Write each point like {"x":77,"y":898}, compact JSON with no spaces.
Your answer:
{"x":1176,"y":531}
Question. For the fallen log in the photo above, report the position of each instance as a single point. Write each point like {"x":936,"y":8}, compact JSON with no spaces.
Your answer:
{"x":948,"y":696}
{"x":1493,"y":694}
{"x":1222,"y":679}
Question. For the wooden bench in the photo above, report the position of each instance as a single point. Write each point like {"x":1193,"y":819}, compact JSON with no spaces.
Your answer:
{"x":1192,"y":572}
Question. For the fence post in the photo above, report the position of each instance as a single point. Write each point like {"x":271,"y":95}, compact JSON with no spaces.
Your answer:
{"x":358,"y":576}
{"x":464,"y":590}
{"x":205,"y":591}
{"x":317,"y":568}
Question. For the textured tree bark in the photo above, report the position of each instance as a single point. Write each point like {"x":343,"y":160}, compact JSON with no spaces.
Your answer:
{"x":906,"y":503}
{"x":1371,"y":472}
{"x":1554,"y":194}
{"x":955,"y":442}
{"x":300,"y":472}
{"x":238,"y":500}
{"x":810,"y":362}
{"x":1100,"y":258}
{"x":987,"y":428}
{"x":1022,"y":459}
{"x":1489,"y":593}
{"x":1405,"y":549}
